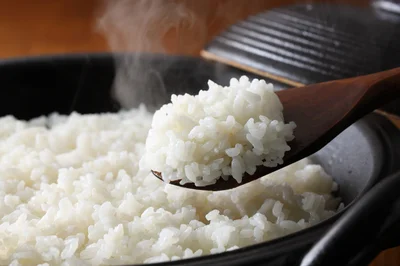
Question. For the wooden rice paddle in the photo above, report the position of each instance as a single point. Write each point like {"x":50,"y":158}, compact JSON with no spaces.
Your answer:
{"x":321,"y":112}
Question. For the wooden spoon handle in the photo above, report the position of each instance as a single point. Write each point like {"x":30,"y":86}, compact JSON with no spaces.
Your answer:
{"x":361,"y":95}
{"x":382,"y":87}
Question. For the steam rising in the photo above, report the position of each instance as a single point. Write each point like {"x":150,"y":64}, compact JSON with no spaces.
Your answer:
{"x":157,"y":26}
{"x":147,"y":26}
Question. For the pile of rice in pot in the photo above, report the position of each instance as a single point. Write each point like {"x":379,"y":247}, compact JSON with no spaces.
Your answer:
{"x":72,"y":190}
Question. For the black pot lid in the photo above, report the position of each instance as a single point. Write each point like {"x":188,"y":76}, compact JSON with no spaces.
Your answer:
{"x":311,"y":43}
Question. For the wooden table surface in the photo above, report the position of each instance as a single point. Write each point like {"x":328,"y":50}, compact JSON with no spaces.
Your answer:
{"x":67,"y":26}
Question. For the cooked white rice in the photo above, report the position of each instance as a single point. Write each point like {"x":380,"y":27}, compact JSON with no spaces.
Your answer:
{"x":223,"y":131}
{"x":72,"y":193}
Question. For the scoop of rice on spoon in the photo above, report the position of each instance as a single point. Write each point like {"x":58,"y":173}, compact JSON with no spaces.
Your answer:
{"x":228,"y":136}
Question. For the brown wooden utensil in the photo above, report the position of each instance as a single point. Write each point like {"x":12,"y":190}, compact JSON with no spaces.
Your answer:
{"x":321,"y":111}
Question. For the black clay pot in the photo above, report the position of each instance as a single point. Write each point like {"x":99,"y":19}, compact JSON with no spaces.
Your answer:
{"x":365,"y":153}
